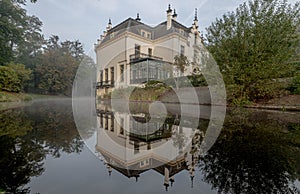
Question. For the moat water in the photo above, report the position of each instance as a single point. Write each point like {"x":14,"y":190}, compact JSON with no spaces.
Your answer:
{"x":41,"y":151}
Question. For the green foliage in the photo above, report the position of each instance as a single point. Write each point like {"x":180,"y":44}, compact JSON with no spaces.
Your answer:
{"x":23,"y":74}
{"x":181,"y":62}
{"x":197,"y":80}
{"x":255,"y":45}
{"x":14,"y":97}
{"x":58,"y":65}
{"x":295,"y":85}
{"x":17,"y":30}
{"x":23,"y":2}
{"x":151,"y":92}
{"x":188,"y":81}
{"x":14,"y":123}
{"x":9,"y":80}
{"x":52,"y":63}
{"x":154,"y":84}
{"x":13,"y":77}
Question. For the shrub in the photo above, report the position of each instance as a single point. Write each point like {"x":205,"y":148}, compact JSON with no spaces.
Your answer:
{"x":22,"y":72}
{"x":197,"y":80}
{"x":9,"y":80}
{"x":294,"y":87}
{"x":155,"y":84}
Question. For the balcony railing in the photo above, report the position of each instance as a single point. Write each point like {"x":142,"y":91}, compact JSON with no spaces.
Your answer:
{"x":105,"y":84}
{"x":137,"y":57}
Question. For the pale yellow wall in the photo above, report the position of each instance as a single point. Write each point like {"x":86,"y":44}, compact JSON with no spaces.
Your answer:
{"x":117,"y":51}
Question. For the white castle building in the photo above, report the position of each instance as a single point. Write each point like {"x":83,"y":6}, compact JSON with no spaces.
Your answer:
{"x":132,"y":53}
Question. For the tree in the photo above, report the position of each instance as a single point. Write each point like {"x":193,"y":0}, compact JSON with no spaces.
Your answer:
{"x":181,"y":62}
{"x":16,"y":28}
{"x":24,"y":74}
{"x":31,"y":46}
{"x":23,"y":2}
{"x":9,"y":80}
{"x":255,"y":45}
{"x":14,"y":77}
{"x":58,"y":65}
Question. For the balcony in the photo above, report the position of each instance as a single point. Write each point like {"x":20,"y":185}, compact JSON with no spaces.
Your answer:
{"x":138,"y":57}
{"x":105,"y":84}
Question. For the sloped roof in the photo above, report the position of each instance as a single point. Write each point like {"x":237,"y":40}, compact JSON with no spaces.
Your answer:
{"x":134,"y":26}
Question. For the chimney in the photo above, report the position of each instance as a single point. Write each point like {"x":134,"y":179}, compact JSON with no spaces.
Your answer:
{"x":174,"y":15}
{"x":169,"y":17}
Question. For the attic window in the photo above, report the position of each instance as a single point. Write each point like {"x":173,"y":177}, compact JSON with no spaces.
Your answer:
{"x":112,"y":35}
{"x":145,"y":34}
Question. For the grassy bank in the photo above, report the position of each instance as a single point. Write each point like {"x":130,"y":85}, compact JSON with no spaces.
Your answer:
{"x":21,"y":97}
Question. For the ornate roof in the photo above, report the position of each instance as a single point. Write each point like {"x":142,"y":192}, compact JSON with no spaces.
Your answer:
{"x":135,"y":26}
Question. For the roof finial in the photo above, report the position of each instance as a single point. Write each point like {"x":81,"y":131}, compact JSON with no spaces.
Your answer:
{"x":138,"y":17}
{"x":169,"y":9}
{"x":172,"y":180}
{"x":174,"y":14}
{"x":109,"y":25}
{"x":192,"y":181}
{"x":166,"y":186}
{"x":196,"y":15}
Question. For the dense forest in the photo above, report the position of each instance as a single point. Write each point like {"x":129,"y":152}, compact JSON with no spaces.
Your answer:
{"x":28,"y":61}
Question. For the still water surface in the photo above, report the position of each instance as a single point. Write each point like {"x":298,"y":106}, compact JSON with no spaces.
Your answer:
{"x":41,"y":151}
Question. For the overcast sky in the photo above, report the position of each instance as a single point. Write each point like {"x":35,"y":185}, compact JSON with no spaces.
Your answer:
{"x":85,"y":20}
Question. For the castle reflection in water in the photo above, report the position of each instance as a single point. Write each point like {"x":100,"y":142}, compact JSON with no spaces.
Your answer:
{"x":133,"y":143}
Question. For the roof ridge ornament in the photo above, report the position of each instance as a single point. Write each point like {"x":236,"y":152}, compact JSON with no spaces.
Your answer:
{"x":175,"y":14}
{"x":196,"y":15}
{"x":138,"y":17}
{"x":169,"y":9}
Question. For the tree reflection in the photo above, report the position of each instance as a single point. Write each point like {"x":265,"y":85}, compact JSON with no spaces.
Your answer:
{"x":54,"y":127}
{"x":28,"y":134}
{"x":14,"y":123}
{"x":254,"y":154}
{"x":20,"y":159}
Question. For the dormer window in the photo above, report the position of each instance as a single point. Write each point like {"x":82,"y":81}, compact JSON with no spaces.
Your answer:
{"x":112,"y":35}
{"x":145,"y":34}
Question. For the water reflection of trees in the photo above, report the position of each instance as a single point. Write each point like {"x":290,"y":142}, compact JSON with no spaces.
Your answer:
{"x":19,"y":161}
{"x":29,"y":134}
{"x":254,"y":154}
{"x":14,"y":123}
{"x":54,"y":127}
{"x":20,"y":158}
